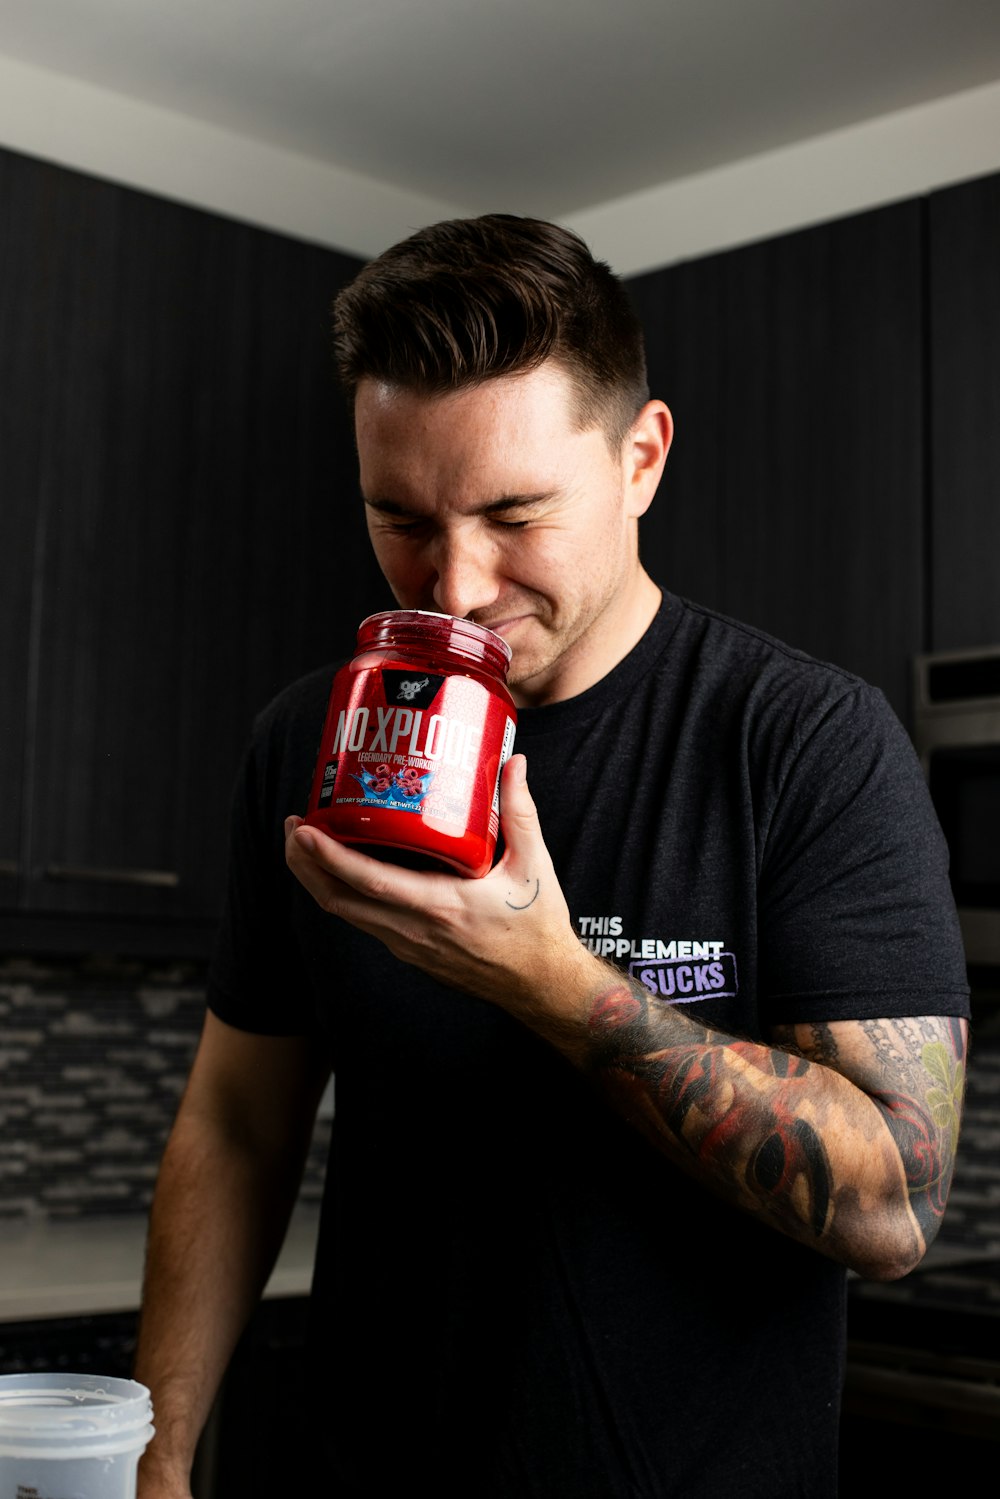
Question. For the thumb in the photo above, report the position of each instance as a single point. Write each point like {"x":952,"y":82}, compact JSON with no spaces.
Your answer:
{"x":526,"y":865}
{"x":518,"y":815}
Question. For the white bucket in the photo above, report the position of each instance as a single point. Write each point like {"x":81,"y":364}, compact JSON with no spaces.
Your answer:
{"x":71,"y":1436}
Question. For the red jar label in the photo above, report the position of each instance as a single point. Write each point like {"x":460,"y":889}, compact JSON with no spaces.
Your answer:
{"x":412,"y":759}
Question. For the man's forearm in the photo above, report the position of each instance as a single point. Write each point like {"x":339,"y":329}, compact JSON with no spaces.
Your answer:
{"x":215,"y":1229}
{"x":228,"y":1181}
{"x":859,"y":1173}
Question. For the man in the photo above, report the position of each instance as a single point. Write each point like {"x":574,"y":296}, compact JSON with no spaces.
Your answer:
{"x":612,"y":1120}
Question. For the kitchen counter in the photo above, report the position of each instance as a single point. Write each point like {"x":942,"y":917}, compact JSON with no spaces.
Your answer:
{"x":87,"y":1266}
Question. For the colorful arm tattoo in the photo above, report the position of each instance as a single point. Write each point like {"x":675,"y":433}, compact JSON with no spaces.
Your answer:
{"x":824,"y":1134}
{"x":914,"y":1071}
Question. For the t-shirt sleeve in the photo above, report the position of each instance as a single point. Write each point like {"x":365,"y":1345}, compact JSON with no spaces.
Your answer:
{"x":256,"y":981}
{"x":857,"y":917}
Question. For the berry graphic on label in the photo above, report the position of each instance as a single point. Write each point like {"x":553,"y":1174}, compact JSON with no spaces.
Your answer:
{"x":412,"y":782}
{"x":379,"y":780}
{"x":403,"y":789}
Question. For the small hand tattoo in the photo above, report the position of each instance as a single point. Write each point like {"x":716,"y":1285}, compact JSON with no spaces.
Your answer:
{"x":527,"y":903}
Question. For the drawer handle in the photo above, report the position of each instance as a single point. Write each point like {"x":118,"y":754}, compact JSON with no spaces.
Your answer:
{"x":85,"y":874}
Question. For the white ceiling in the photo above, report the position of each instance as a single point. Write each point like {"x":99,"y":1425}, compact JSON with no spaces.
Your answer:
{"x":537,"y":106}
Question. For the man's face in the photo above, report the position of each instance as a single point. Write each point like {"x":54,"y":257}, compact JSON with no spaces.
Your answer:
{"x":488,"y":503}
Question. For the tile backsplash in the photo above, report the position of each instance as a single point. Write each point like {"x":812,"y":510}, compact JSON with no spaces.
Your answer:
{"x":94,"y":1055}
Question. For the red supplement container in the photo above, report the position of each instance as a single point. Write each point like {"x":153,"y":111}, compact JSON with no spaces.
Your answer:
{"x":419,"y":726}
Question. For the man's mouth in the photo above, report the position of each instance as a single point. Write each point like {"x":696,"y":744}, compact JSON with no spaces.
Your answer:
{"x":502,"y":625}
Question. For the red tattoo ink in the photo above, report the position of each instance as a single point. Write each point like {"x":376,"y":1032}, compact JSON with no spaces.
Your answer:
{"x":920,"y":1150}
{"x":419,"y":725}
{"x":617,"y":1007}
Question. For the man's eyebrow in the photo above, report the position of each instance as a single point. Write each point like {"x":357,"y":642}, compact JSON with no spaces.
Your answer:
{"x":516,"y":502}
{"x":504,"y":504}
{"x":385,"y":507}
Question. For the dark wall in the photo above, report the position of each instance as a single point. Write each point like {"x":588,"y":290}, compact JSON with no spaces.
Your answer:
{"x":963,"y":250}
{"x":835,"y":478}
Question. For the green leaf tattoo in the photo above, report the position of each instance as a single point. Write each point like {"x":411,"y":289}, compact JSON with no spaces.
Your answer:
{"x":944,"y":1103}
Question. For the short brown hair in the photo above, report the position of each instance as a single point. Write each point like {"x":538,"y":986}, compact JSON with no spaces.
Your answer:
{"x":468,"y":300}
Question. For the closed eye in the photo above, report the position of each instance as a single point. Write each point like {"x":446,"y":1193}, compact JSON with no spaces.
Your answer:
{"x":401,"y":527}
{"x":513,"y":513}
{"x":415,"y":526}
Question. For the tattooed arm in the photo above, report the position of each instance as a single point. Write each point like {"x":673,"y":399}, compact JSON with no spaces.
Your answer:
{"x":842,"y":1135}
{"x":914,"y":1072}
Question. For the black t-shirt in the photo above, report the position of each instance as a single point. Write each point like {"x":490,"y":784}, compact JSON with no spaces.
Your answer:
{"x":515,"y":1295}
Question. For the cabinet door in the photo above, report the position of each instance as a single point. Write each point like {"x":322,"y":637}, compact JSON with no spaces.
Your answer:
{"x":27,"y":350}
{"x":193,"y":451}
{"x":794,"y":495}
{"x":964,"y":265}
{"x":682,"y":310}
{"x":104,"y":695}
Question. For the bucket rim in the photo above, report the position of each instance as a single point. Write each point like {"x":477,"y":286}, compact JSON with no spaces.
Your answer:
{"x":64,"y":1410}
{"x":51,"y":1449}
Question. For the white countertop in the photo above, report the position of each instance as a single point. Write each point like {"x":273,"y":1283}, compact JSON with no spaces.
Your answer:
{"x":84,"y":1266}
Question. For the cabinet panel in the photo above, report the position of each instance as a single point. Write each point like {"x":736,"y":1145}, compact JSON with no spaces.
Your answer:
{"x":188,"y":495}
{"x":964,"y":263}
{"x":681,"y":310}
{"x":26,"y":348}
{"x":108,"y":545}
{"x":794,"y":497}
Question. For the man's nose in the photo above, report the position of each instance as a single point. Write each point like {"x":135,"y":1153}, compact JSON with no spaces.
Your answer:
{"x":466,"y":575}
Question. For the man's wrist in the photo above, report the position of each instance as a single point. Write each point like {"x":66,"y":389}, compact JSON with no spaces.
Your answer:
{"x":164,"y":1470}
{"x":566,"y":1009}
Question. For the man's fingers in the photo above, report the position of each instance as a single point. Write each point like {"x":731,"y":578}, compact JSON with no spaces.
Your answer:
{"x":311,"y":854}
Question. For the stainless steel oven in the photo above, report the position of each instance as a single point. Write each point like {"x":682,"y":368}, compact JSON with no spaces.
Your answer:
{"x":957,"y":735}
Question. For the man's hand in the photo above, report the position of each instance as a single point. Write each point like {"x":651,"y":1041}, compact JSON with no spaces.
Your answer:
{"x":506,"y":937}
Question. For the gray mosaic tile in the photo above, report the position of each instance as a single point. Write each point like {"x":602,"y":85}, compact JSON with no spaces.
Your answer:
{"x":19,"y":1207}
{"x":94,"y":1056}
{"x":83,"y":1025}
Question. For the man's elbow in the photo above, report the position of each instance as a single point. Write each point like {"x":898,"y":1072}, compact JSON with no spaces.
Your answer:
{"x":885,"y":1267}
{"x":891,"y":1249}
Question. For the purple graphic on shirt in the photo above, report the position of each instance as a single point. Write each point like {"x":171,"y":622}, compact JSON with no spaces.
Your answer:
{"x":685,"y":981}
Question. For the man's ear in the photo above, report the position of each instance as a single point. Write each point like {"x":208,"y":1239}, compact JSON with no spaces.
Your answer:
{"x":646,"y":450}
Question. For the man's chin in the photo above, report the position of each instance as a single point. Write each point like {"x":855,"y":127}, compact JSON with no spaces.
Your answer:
{"x":534,"y":652}
{"x":530,"y":673}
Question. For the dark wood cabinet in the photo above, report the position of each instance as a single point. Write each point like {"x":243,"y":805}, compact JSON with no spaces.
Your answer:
{"x":182,"y":532}
{"x":794,"y":496}
{"x":964,"y":405}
